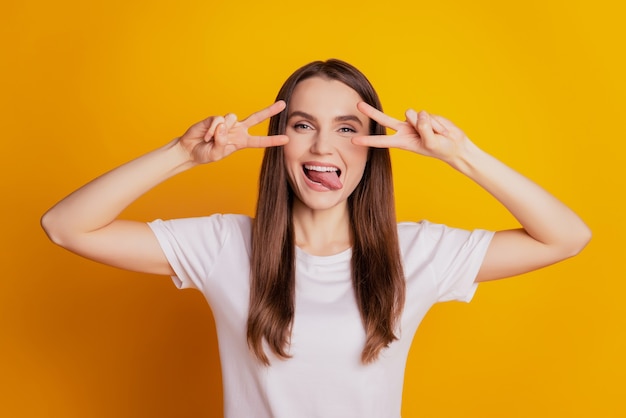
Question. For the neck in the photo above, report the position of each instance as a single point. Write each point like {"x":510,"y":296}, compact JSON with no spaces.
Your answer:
{"x":321,"y":232}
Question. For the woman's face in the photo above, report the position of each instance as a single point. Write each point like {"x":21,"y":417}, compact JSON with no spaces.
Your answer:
{"x":323,"y":166}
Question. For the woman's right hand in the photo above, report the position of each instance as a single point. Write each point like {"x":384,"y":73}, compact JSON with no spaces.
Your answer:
{"x":86,"y":222}
{"x":216,"y":137}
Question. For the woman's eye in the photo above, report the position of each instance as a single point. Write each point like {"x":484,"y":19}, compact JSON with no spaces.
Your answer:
{"x":346,"y":129}
{"x":301,"y":126}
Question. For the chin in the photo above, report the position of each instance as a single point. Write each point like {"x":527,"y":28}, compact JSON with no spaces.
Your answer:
{"x":321,"y":203}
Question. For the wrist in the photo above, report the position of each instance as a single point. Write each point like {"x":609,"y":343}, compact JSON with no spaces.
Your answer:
{"x":181,"y":158}
{"x":468,"y":158}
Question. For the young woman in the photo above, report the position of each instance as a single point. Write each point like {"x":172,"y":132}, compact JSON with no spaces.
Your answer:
{"x":316,"y":299}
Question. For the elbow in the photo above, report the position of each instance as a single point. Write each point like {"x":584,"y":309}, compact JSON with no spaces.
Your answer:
{"x":51,"y":228}
{"x":579,"y":240}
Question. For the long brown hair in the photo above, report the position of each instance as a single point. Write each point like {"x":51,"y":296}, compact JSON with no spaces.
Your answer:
{"x":377,"y":274}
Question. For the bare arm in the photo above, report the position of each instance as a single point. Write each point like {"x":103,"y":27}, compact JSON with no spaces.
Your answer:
{"x":86,"y":222}
{"x":550,"y":230}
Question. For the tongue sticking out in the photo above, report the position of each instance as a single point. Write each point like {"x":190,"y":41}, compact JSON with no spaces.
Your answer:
{"x":328,"y":179}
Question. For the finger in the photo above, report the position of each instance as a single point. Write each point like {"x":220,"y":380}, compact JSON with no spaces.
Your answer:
{"x":436,"y":124}
{"x":267,"y":141}
{"x":263,"y":114}
{"x":444,"y":122}
{"x":375,"y":141}
{"x":229,"y":120}
{"x":375,"y":114}
{"x":437,"y":127}
{"x":411,"y":117}
{"x":425,"y":129}
{"x":424,"y":125}
{"x":210,"y":133}
{"x":221,"y":135}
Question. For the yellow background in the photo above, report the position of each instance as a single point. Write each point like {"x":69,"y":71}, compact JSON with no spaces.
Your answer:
{"x":87,"y":85}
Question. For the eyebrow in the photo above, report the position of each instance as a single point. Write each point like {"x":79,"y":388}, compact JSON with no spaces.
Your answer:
{"x":341,"y":118}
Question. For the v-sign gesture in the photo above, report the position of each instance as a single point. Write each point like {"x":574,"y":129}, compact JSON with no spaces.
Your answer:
{"x":550,"y":230}
{"x":216,"y":137}
{"x":86,"y":222}
{"x":425,"y":134}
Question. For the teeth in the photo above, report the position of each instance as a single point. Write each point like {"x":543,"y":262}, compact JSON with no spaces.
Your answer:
{"x":320,"y":168}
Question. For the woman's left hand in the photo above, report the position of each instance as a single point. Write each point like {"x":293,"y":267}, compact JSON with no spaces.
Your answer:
{"x":429,"y":135}
{"x":550,"y":230}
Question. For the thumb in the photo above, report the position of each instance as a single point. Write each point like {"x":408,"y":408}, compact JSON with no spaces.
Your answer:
{"x":411,"y":117}
{"x":438,"y":127}
{"x":221,"y":134}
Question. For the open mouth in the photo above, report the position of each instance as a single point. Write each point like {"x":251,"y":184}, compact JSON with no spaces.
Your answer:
{"x":327,"y":176}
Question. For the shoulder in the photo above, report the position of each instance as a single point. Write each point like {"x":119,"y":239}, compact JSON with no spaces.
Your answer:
{"x":217,"y":225}
{"x":450,"y":256}
{"x":218,"y":219}
{"x":427,"y":236}
{"x":424,"y":230}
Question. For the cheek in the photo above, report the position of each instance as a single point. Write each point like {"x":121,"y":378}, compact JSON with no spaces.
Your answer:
{"x":291,"y":155}
{"x":290,"y":151}
{"x":358,"y":154}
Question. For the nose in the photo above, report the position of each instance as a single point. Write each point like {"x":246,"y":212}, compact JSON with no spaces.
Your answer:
{"x":322,"y":144}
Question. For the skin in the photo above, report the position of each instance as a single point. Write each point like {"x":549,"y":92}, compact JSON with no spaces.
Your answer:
{"x":322,"y":119}
{"x":86,"y":222}
{"x":550,"y":231}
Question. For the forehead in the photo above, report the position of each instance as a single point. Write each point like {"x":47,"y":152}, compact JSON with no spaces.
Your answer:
{"x":325,"y":96}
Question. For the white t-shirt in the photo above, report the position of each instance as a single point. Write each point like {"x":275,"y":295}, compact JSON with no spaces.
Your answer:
{"x":325,"y":377}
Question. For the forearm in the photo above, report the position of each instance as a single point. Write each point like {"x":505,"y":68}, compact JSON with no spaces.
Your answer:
{"x":99,"y":202}
{"x":543,"y":216}
{"x":550,"y":230}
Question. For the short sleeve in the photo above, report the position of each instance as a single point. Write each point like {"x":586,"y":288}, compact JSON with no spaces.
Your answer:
{"x":192,"y":246}
{"x":452,"y":256}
